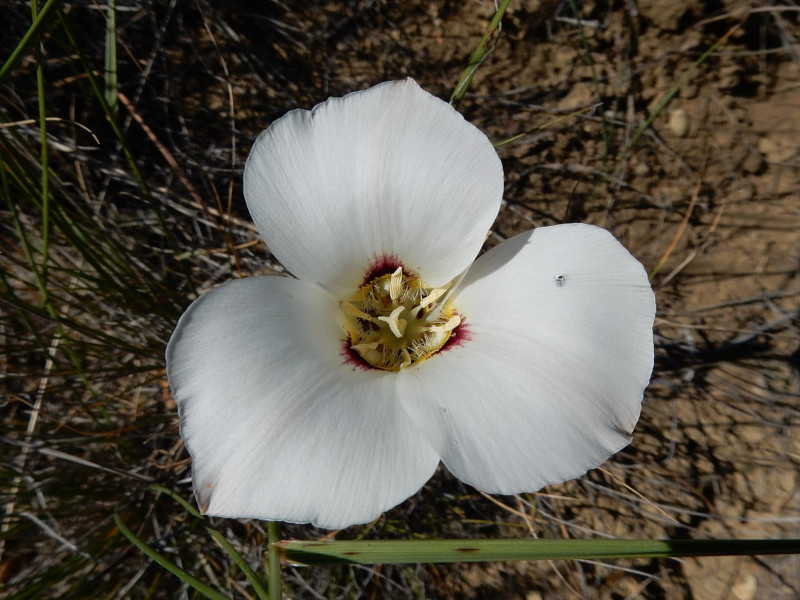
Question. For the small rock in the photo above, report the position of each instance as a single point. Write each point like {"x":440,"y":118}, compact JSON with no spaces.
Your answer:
{"x":745,"y":588}
{"x":777,"y":149}
{"x":679,"y":122}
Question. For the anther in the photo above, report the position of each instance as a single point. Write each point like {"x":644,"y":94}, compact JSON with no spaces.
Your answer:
{"x":451,"y":324}
{"x":396,"y":284}
{"x":350,"y":309}
{"x":389,"y":341}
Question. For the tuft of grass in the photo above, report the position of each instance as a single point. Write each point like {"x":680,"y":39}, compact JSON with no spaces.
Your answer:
{"x":100,"y":257}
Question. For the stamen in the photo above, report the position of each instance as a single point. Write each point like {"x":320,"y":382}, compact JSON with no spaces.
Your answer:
{"x":396,"y":284}
{"x":434,"y":295}
{"x":428,"y":300}
{"x":384,"y":340}
{"x":451,"y":324}
{"x":406,"y":359}
{"x":352,"y":310}
{"x":364,"y":347}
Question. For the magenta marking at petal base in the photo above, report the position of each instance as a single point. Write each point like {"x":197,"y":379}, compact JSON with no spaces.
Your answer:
{"x":353,"y":359}
{"x":458,"y":337}
{"x":382,"y":265}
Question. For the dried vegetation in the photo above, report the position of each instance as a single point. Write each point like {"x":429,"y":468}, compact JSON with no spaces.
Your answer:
{"x":97,"y":264}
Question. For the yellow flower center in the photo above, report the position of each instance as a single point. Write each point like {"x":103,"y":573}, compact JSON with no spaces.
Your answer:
{"x":394,"y":321}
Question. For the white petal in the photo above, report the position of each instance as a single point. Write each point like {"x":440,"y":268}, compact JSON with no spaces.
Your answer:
{"x":279,"y":425}
{"x":546,"y":380}
{"x":387,"y":173}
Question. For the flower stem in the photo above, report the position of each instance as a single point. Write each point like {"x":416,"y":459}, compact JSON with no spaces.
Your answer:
{"x":461,"y":551}
{"x":274,"y":561}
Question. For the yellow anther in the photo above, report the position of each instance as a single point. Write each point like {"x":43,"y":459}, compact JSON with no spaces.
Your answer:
{"x":434,"y":295}
{"x":350,"y":309}
{"x":406,"y":358}
{"x":396,"y":284}
{"x":451,"y":324}
{"x":365,"y":347}
{"x":383,"y":339}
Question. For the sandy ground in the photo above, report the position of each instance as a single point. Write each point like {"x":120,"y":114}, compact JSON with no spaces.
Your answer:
{"x":708,"y":198}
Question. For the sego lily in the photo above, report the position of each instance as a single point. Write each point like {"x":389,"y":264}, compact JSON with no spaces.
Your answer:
{"x":332,"y":396}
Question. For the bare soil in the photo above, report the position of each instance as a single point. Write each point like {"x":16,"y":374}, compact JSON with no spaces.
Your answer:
{"x":707,"y":197}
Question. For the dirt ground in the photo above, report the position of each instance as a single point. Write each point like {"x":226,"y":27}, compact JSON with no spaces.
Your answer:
{"x":707,"y":197}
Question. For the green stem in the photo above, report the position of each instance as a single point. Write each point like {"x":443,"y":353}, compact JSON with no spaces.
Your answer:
{"x":450,"y":551}
{"x":274,"y":560}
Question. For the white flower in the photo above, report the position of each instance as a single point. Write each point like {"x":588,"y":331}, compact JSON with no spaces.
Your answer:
{"x":332,"y":397}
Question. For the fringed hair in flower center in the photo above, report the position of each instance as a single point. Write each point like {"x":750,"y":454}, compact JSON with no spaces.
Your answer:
{"x":395,"y":321}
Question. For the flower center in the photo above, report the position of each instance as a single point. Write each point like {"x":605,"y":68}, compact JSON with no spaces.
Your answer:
{"x":394,"y":321}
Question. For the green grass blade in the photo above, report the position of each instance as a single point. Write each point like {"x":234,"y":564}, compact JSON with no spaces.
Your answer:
{"x":273,"y":556}
{"x":478,"y":55}
{"x":451,"y":551}
{"x":132,"y":163}
{"x":30,"y":38}
{"x":39,"y":277}
{"x":254,"y":579}
{"x":112,"y":97}
{"x":187,"y":578}
{"x":43,"y":161}
{"x":188,"y":507}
